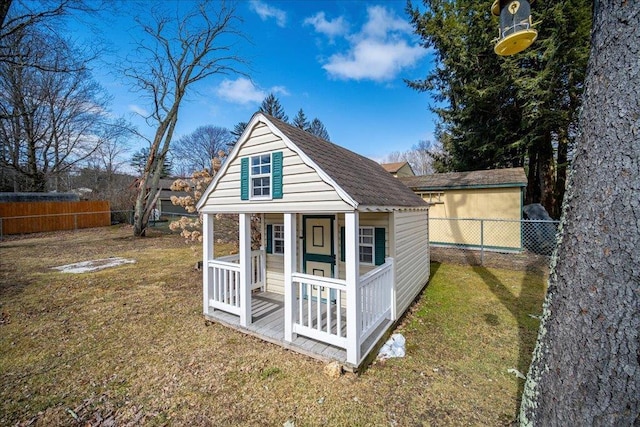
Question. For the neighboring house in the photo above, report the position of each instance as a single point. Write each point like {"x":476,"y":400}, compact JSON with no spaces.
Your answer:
{"x":164,"y":205}
{"x":457,"y":197}
{"x":398,"y":169}
{"x":345,"y":246}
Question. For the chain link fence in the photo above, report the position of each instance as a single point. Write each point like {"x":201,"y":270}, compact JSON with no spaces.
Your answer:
{"x":494,"y":235}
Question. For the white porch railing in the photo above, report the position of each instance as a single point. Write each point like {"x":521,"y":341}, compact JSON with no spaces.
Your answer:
{"x":319,"y":313}
{"x":258,"y":266}
{"x":224,"y":292}
{"x":375,"y":293}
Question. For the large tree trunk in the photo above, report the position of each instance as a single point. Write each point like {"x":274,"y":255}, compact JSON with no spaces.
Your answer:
{"x":586,"y":365}
{"x":148,"y":191}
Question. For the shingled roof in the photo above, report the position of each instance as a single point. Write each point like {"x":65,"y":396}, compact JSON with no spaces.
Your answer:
{"x":368,"y":183}
{"x":393,"y":167}
{"x":511,"y":177}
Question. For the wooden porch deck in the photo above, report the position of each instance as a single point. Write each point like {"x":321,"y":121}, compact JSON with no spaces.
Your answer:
{"x":267,"y":310}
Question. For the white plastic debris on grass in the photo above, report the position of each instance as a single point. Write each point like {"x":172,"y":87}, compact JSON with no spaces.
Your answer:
{"x":93,"y":265}
{"x":516,"y":373}
{"x":394,"y":347}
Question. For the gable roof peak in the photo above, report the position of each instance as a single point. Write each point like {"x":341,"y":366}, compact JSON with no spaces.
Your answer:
{"x":368,"y":183}
{"x":358,"y":180}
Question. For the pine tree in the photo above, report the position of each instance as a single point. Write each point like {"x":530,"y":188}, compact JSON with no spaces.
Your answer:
{"x":139,"y":160}
{"x":317,"y":128}
{"x":300,"y":120}
{"x":499,"y":112}
{"x":238,"y":129}
{"x":271,"y":105}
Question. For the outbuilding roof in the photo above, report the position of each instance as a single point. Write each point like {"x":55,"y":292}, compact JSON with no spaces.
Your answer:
{"x":510,"y":177}
{"x":368,"y":183}
{"x":393,"y":167}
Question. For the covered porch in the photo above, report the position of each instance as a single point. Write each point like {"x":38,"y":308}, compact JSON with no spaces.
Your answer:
{"x":268,"y":324}
{"x":328,"y":318}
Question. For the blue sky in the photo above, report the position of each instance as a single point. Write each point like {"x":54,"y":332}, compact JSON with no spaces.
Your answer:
{"x":341,"y":61}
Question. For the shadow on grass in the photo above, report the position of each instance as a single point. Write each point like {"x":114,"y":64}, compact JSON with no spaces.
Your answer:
{"x":432,"y":272}
{"x":521,"y":307}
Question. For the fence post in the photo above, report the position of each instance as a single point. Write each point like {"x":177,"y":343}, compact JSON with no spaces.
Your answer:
{"x":1,"y":229}
{"x":482,"y":242}
{"x":75,"y":222}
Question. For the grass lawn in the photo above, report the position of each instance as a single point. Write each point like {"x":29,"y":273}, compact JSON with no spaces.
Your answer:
{"x":130,"y":344}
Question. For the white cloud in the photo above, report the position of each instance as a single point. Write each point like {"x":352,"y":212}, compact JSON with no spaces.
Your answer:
{"x":138,"y":110}
{"x":381,"y":22}
{"x":243,"y":91}
{"x":240,"y":91}
{"x":265,"y":12}
{"x":281,"y":90}
{"x":374,"y":60}
{"x":382,"y":48}
{"x":333,"y":28}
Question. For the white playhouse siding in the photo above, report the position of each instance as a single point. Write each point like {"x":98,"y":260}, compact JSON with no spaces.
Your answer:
{"x":275,"y":262}
{"x":366,"y":219}
{"x":411,"y":255}
{"x":303,"y":189}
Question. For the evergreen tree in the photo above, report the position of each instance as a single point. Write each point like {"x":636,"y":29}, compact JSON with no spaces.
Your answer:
{"x":499,"y":112}
{"x":271,"y":105}
{"x":238,"y":129}
{"x":139,"y":160}
{"x":300,"y":120}
{"x":317,"y":128}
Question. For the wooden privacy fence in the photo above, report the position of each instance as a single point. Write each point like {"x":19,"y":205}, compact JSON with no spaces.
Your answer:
{"x":34,"y":217}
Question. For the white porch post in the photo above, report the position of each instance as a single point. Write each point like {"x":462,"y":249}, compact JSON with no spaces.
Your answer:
{"x":392,"y":254}
{"x":392,"y":291}
{"x":245,"y":269}
{"x":352,"y":267}
{"x":207,"y":254}
{"x":289,"y":268}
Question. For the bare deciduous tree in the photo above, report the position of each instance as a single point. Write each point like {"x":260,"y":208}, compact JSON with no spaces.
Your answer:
{"x":50,"y":118}
{"x":420,"y":157}
{"x":175,"y":54}
{"x":195,"y":151}
{"x":45,"y":16}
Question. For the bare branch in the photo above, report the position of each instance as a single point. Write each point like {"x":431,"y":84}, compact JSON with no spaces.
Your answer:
{"x":175,"y":54}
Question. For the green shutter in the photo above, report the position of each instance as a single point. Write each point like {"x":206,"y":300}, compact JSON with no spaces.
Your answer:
{"x":244,"y":178}
{"x":380,"y":245}
{"x":342,"y":244}
{"x":269,"y":238}
{"x":276,"y":159}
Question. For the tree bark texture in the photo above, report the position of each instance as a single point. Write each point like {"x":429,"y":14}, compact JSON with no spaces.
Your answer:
{"x":586,"y":365}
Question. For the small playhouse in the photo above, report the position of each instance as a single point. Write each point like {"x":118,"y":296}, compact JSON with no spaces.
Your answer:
{"x":344,"y":245}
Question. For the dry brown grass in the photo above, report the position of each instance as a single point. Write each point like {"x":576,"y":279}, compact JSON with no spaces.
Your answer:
{"x":130,"y":345}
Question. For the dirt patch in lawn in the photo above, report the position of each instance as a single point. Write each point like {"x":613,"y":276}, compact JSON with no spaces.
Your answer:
{"x":130,"y":346}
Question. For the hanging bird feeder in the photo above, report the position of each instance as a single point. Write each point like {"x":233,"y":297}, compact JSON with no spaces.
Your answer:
{"x":516,"y":32}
